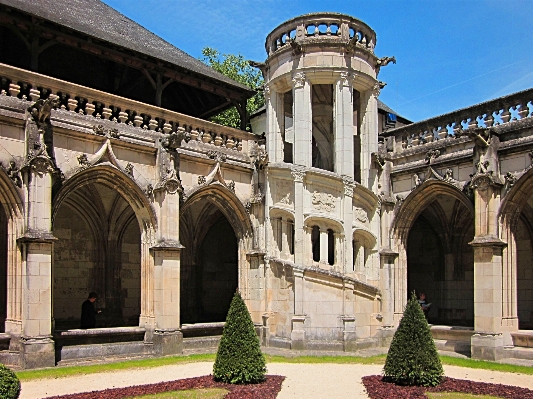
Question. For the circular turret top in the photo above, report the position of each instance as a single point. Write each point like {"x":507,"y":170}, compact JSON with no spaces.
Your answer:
{"x":322,"y":27}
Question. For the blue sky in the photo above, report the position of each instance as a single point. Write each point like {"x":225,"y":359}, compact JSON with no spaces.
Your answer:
{"x":451,"y":53}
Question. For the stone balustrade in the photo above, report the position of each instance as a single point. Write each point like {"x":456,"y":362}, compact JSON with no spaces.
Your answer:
{"x":500,"y":111}
{"x":31,"y":86}
{"x":318,"y":27}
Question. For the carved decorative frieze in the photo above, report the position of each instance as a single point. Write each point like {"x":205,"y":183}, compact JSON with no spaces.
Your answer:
{"x":41,"y":165}
{"x":323,"y":201}
{"x":14,"y":173}
{"x":100,"y":130}
{"x":129,"y":169}
{"x":431,"y":156}
{"x":217,"y":156}
{"x":361,"y":215}
{"x":83,"y":160}
{"x":298,"y":80}
{"x":298,"y":174}
{"x":349,"y":186}
{"x":431,"y":174}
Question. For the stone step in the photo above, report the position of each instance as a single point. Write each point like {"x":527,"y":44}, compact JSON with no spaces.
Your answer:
{"x":519,"y":353}
{"x":201,"y":344}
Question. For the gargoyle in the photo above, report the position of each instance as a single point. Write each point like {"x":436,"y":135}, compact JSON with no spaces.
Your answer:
{"x":173,"y":140}
{"x":41,"y":110}
{"x":296,"y":47}
{"x":381,"y":62}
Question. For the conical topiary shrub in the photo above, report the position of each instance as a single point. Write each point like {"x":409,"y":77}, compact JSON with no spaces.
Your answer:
{"x":9,"y":383}
{"x":413,"y":357}
{"x":239,"y":358}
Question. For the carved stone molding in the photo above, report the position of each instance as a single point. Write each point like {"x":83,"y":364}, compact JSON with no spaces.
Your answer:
{"x":361,"y":215}
{"x":298,"y":174}
{"x":349,"y":186}
{"x":323,"y":201}
{"x":100,"y":130}
{"x":431,"y":156}
{"x":431,"y":174}
{"x":298,"y":80}
{"x":41,"y":165}
{"x":217,"y":156}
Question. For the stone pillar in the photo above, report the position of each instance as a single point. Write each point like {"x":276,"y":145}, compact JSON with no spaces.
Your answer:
{"x":343,"y":123}
{"x":324,"y":247}
{"x":369,"y":138}
{"x":285,"y":236}
{"x":275,"y":122}
{"x":36,"y":344}
{"x":487,"y":341}
{"x":338,"y":261}
{"x":302,"y":117}
{"x":308,"y":248}
{"x":347,"y":206}
{"x":298,"y":174}
{"x":167,"y":336}
{"x":298,"y":320}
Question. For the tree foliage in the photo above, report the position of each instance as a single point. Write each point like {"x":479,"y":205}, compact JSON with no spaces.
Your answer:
{"x":412,"y":358}
{"x":9,"y":383}
{"x":239,"y":358}
{"x":238,"y":69}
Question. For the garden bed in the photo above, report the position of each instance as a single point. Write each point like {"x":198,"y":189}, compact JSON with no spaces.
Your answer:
{"x":379,"y":389}
{"x":266,"y":390}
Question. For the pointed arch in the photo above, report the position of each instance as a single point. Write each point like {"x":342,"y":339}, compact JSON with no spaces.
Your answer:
{"x":111,"y":177}
{"x":418,"y":200}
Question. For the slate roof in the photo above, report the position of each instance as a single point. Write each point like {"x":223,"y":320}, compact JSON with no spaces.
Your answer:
{"x":97,"y":19}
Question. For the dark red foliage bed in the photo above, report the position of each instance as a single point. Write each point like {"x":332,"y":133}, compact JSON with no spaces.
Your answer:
{"x":266,"y":390}
{"x":379,"y":389}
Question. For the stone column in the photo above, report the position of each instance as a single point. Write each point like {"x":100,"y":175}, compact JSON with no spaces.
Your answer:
{"x":36,"y":344}
{"x":285,"y":236}
{"x":324,"y":247}
{"x":298,"y":173}
{"x":308,"y":249}
{"x":347,"y":206}
{"x":298,"y":330}
{"x":275,"y":122}
{"x":369,"y":138}
{"x":487,"y":341}
{"x":338,"y":261}
{"x":343,"y":123}
{"x":302,"y":117}
{"x":167,"y":336}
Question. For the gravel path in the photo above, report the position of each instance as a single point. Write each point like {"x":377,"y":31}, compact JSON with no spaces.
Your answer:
{"x":302,"y":380}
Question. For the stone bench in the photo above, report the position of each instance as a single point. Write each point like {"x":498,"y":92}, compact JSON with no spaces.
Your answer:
{"x":452,"y":338}
{"x":98,"y":335}
{"x":523,"y":339}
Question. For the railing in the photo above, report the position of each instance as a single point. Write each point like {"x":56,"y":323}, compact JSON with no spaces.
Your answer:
{"x":326,"y":26}
{"x":32,"y":86}
{"x":496,"y":112}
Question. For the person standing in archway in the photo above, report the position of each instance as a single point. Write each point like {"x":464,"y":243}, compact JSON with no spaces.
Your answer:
{"x":88,"y":312}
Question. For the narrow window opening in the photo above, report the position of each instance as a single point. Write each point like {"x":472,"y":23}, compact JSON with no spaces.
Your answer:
{"x":315,"y":243}
{"x":331,"y":247}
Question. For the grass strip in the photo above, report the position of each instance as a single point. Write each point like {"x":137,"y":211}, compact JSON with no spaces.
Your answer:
{"x":208,"y":393}
{"x":60,"y":372}
{"x":485,"y":365}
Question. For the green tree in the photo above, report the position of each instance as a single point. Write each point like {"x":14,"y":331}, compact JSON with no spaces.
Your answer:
{"x":239,"y":358}
{"x":412,"y":358}
{"x":9,"y":383}
{"x":238,"y":69}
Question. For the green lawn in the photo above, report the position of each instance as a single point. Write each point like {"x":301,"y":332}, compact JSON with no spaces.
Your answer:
{"x":59,"y":372}
{"x":206,"y":393}
{"x":458,"y":395}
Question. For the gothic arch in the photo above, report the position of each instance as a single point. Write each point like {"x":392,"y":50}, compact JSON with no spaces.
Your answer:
{"x":111,"y":177}
{"x":515,"y":221}
{"x":417,"y":202}
{"x":228,"y":203}
{"x":13,"y":208}
{"x":134,"y":205}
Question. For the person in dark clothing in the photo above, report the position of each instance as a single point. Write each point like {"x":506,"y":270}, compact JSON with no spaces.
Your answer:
{"x":88,"y":312}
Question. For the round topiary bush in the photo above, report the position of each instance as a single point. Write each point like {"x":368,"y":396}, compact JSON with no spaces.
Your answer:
{"x":239,"y":358}
{"x":412,"y":358}
{"x":9,"y":384}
